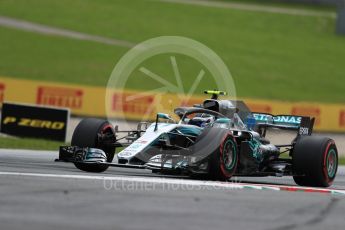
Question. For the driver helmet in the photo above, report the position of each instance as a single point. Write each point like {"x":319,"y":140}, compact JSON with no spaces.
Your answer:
{"x":227,"y":108}
{"x":201,"y":121}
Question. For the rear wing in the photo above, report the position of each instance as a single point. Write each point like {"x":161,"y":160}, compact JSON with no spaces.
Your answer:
{"x":304,"y":125}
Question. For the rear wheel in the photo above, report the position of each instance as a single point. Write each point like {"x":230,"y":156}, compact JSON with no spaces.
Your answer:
{"x":315,"y":161}
{"x":87,"y":134}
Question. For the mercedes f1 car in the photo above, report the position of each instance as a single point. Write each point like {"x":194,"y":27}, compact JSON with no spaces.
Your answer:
{"x":217,"y":139}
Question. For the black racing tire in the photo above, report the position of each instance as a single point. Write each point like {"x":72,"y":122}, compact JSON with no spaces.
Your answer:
{"x":315,"y":161}
{"x":86,"y":135}
{"x":224,"y":156}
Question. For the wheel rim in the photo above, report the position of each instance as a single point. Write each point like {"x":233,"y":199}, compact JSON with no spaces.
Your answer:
{"x":229,"y":155}
{"x":107,"y":128}
{"x":331,"y":163}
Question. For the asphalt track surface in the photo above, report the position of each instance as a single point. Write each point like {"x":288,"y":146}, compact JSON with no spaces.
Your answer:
{"x":38,"y":193}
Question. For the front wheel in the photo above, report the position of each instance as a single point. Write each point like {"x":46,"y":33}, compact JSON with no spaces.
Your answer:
{"x":315,"y":161}
{"x":87,"y":134}
{"x":223,"y":153}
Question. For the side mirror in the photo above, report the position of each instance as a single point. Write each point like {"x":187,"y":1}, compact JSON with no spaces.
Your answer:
{"x":162,"y":116}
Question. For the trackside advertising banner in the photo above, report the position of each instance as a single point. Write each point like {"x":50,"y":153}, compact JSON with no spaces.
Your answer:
{"x":90,"y":101}
{"x":34,"y":121}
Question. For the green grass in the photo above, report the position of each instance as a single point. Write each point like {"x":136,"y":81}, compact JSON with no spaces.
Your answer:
{"x":29,"y":143}
{"x":271,"y":56}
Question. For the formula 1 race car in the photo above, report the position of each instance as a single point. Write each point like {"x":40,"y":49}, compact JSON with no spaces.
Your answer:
{"x":216,"y":140}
